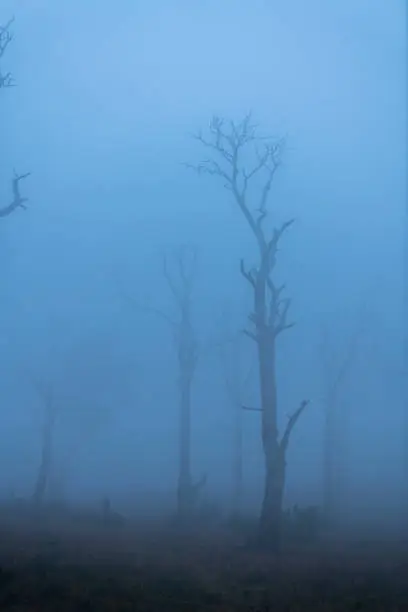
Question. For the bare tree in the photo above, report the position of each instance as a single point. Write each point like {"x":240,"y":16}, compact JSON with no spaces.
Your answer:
{"x":180,"y":282}
{"x":187,"y":355}
{"x":85,"y":380}
{"x":6,"y":81}
{"x":228,"y":143}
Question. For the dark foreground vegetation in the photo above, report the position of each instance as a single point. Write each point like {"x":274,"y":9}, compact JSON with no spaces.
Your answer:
{"x":60,"y":559}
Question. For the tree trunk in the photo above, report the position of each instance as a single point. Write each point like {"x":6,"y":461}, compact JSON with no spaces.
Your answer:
{"x":271,"y":513}
{"x":405,"y":355}
{"x":274,"y":483}
{"x":44,"y":470}
{"x":237,"y":462}
{"x":329,"y":467}
{"x":185,"y":489}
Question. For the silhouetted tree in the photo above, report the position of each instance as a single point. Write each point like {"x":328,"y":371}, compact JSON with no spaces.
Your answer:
{"x":7,"y":81}
{"x":228,"y":143}
{"x":187,"y":356}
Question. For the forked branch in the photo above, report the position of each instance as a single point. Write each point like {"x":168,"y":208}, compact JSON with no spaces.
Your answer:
{"x":293,"y":419}
{"x":18,"y":201}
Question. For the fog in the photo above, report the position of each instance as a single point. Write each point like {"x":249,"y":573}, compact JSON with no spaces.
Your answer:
{"x":108,"y":98}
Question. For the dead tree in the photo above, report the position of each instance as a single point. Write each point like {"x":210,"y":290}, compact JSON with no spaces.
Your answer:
{"x":187,"y":355}
{"x":6,"y":81}
{"x":228,"y":144}
{"x":88,"y":380}
{"x":46,"y":394}
{"x":334,"y":375}
{"x":180,"y":282}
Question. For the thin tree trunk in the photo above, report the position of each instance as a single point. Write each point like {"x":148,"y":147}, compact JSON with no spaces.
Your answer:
{"x":44,"y":470}
{"x":235,"y":382}
{"x":330,"y":449}
{"x":184,"y":489}
{"x":237,"y":467}
{"x":405,"y":295}
{"x":187,"y":351}
{"x":405,"y":299}
{"x":405,"y":370}
{"x":334,"y":451}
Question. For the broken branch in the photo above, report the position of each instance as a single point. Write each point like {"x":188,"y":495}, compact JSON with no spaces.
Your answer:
{"x":18,"y":201}
{"x":252,"y":408}
{"x":249,"y":276}
{"x":290,"y":425}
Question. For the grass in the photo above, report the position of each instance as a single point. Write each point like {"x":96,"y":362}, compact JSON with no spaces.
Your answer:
{"x":64,"y":563}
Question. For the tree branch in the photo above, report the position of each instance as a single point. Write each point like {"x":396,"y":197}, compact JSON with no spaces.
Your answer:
{"x":248,"y":275}
{"x":290,"y":425}
{"x":18,"y":201}
{"x":278,"y":233}
{"x":250,"y":334}
{"x":252,"y":408}
{"x":6,"y":80}
{"x":186,"y":274}
{"x":134,"y":303}
{"x":227,"y":141}
{"x":282,"y":324}
{"x":5,"y":36}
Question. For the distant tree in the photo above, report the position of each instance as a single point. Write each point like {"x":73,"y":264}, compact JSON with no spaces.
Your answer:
{"x":180,"y":283}
{"x":7,"y":81}
{"x":50,"y":409}
{"x":335,"y":370}
{"x":228,"y":144}
{"x":87,"y":377}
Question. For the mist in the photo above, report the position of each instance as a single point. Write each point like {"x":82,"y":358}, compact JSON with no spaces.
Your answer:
{"x":107,"y":103}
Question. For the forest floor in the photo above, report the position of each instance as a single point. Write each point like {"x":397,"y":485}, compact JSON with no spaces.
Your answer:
{"x":85,"y":565}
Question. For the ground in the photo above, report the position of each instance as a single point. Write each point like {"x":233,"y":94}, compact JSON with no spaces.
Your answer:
{"x":81,"y":563}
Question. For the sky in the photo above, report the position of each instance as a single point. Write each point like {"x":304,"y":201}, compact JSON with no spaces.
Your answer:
{"x":109,"y":96}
